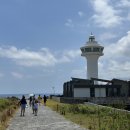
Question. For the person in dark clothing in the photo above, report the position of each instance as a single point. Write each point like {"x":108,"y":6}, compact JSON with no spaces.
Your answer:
{"x":23,"y":103}
{"x":45,"y":99}
{"x":30,"y":101}
{"x":33,"y":102}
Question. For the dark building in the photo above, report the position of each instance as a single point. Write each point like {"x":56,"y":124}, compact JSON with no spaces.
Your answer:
{"x":125,"y":87}
{"x":80,"y":88}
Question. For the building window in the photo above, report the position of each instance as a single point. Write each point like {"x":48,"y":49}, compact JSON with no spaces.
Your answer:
{"x":101,"y":49}
{"x":96,"y":49}
{"x":118,"y":92}
{"x":82,"y":50}
{"x":92,"y":92}
{"x":113,"y":92}
{"x":87,"y":49}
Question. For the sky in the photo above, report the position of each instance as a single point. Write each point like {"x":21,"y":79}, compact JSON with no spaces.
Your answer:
{"x":40,"y":42}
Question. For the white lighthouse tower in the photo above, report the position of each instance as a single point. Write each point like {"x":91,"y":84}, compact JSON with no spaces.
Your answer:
{"x":92,"y":51}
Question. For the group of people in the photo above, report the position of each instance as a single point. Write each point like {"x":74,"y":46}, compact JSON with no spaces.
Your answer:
{"x":33,"y":102}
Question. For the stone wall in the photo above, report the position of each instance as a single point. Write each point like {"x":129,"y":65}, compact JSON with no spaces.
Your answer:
{"x":110,"y":100}
{"x":69,"y":100}
{"x":96,"y":100}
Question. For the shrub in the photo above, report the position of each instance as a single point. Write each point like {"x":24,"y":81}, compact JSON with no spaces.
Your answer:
{"x":7,"y":108}
{"x":84,"y":110}
{"x":74,"y":108}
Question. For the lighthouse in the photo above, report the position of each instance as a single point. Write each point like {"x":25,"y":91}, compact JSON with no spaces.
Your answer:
{"x":92,"y":51}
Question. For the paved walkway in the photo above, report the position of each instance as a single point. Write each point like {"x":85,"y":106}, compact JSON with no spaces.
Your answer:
{"x":45,"y":120}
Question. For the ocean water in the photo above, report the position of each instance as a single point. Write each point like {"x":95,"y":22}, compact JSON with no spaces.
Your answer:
{"x":20,"y":95}
{"x":26,"y":95}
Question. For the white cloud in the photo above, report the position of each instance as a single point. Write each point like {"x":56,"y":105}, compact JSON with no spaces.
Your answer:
{"x":69,"y":23}
{"x":116,"y":69}
{"x":69,"y":55}
{"x":121,"y":48}
{"x":37,"y":58}
{"x":80,"y":13}
{"x":17,"y":75}
{"x":72,"y":53}
{"x":78,"y":73}
{"x":105,"y":14}
{"x":28,"y":58}
{"x":128,"y":17}
{"x":123,"y":3}
{"x":107,"y":36}
{"x":116,"y":59}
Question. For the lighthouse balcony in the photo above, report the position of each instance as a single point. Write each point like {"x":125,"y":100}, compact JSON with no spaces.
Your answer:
{"x":92,"y":53}
{"x":92,"y":49}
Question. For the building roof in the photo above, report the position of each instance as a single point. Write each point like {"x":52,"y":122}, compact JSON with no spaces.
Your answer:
{"x":120,"y":80}
{"x":96,"y":86}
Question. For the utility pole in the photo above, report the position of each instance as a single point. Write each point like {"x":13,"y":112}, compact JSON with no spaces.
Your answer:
{"x":53,"y":88}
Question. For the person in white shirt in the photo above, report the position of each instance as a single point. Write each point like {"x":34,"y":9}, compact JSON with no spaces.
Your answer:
{"x":36,"y":107}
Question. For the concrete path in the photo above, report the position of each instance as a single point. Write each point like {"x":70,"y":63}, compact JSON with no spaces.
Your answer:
{"x":45,"y":120}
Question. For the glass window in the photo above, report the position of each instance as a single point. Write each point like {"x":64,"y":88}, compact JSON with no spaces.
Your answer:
{"x":82,"y":50}
{"x":101,"y":49}
{"x":92,"y":92}
{"x":87,"y":49}
{"x":95,"y":49}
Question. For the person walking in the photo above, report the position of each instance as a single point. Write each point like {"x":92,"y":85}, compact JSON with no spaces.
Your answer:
{"x":23,"y":103}
{"x":39,"y":99}
{"x":45,"y":99}
{"x":33,"y":102}
{"x":30,"y":101}
{"x":35,"y":107}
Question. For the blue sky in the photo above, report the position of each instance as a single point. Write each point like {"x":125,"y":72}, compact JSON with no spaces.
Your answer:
{"x":40,"y":42}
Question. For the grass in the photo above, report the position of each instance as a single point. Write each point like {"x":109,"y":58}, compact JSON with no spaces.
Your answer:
{"x":3,"y":104}
{"x":93,"y":117}
{"x":7,"y":108}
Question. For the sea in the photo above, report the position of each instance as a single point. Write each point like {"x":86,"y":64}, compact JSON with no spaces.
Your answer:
{"x":27,"y":95}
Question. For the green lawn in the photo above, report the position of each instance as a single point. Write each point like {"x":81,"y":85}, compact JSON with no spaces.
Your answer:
{"x":93,"y":117}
